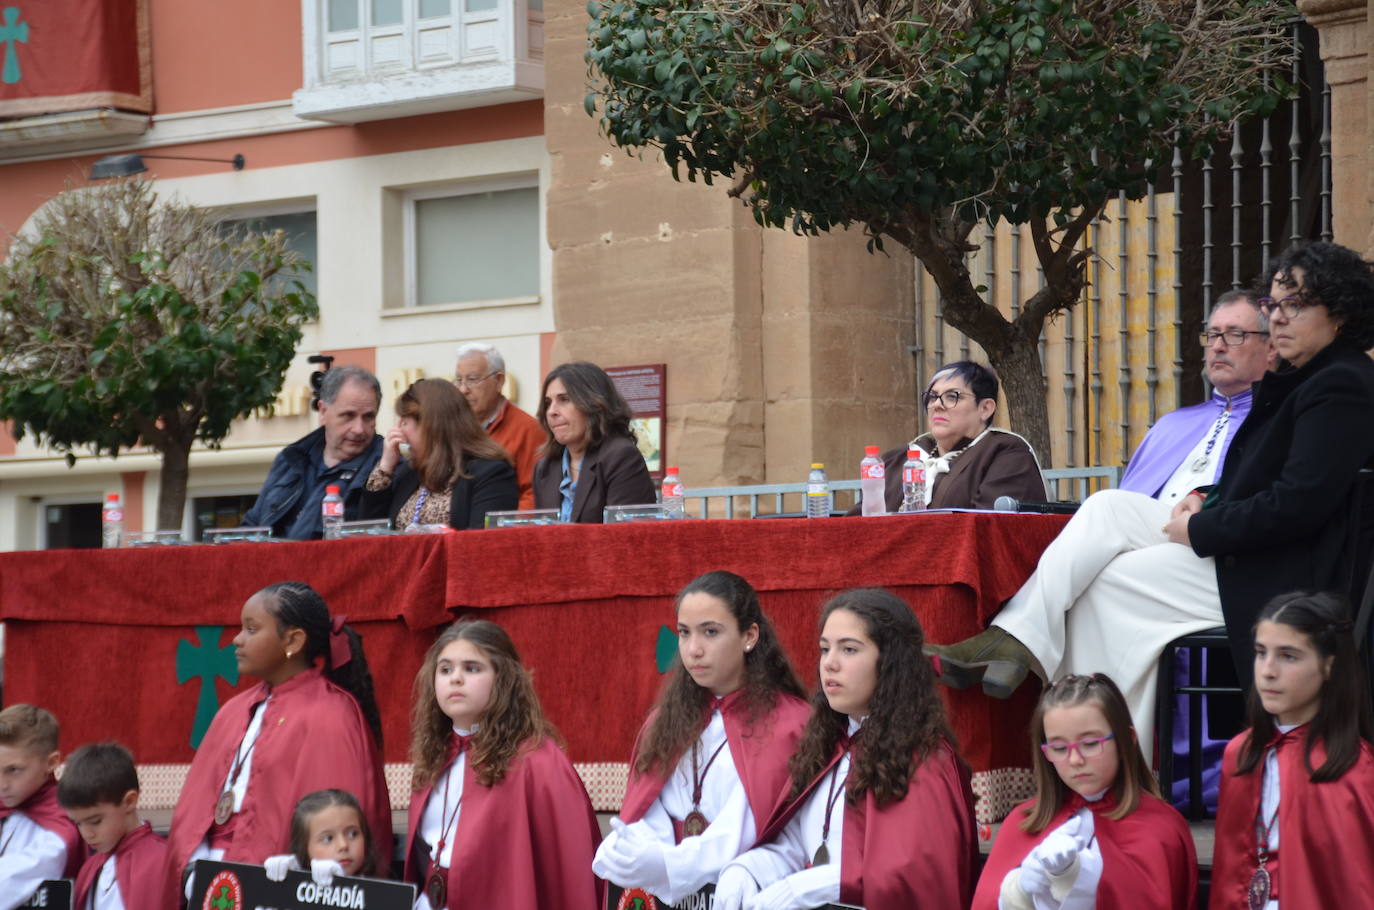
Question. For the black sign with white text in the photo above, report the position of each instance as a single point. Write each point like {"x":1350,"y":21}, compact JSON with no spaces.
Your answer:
{"x":53,"y":894}
{"x":235,"y":886}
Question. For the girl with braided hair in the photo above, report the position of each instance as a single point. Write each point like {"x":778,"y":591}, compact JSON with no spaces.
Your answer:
{"x":310,"y":724}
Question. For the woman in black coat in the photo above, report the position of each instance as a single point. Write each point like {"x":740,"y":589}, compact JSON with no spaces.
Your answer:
{"x":590,"y":460}
{"x":456,"y":473}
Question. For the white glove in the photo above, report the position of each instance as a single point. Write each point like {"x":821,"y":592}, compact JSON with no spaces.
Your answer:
{"x":1033,"y":881}
{"x":734,"y":887}
{"x":277,"y":866}
{"x":796,"y":891}
{"x":324,"y":870}
{"x":633,"y":859}
{"x":1058,"y":851}
{"x":1086,"y":828}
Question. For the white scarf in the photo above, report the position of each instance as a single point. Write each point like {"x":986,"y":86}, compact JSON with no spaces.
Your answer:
{"x":939,"y":464}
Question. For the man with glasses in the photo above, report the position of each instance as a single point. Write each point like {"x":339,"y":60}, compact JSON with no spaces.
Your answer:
{"x":481,"y":376}
{"x":1185,"y":448}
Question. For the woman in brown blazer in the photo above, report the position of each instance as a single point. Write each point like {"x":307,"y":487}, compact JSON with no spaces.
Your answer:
{"x":590,"y":459}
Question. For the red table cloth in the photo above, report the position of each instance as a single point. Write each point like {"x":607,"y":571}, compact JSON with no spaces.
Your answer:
{"x":118,"y":644}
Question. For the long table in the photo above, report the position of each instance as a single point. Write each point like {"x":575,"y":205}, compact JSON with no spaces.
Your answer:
{"x":135,"y":645}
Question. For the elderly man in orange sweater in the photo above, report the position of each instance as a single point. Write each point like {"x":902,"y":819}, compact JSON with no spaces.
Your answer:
{"x":480,"y":376}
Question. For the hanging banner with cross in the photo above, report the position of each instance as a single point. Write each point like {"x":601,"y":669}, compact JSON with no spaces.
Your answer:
{"x":71,"y":55}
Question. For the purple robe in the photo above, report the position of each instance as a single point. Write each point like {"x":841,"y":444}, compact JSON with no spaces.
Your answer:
{"x":1175,"y":435}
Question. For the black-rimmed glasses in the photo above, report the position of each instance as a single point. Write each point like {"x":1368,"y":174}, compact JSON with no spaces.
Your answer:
{"x":949,"y":400}
{"x":1290,"y":306}
{"x":1232,"y":337}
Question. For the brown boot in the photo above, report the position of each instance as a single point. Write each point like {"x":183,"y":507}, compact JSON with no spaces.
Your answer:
{"x":993,"y":657}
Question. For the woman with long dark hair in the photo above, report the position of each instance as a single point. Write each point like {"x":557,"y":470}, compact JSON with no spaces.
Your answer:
{"x":711,"y":761}
{"x":1295,"y":824}
{"x":498,"y":816}
{"x":310,"y":724}
{"x":881,"y":811}
{"x":590,"y":460}
{"x":456,"y":473}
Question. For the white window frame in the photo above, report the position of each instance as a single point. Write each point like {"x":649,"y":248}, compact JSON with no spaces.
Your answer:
{"x":466,"y":188}
{"x":273,"y":208}
{"x":188,"y":515}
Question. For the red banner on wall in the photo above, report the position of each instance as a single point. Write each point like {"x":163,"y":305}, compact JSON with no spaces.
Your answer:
{"x":72,"y":55}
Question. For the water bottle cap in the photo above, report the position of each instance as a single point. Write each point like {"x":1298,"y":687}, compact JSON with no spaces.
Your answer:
{"x":871,"y":451}
{"x":331,"y":490}
{"x":913,"y":454}
{"x":817,"y":466}
{"x":672,"y":470}
{"x":112,"y":497}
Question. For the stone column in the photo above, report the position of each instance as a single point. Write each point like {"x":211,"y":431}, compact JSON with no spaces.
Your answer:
{"x":780,"y":350}
{"x":1343,"y":26}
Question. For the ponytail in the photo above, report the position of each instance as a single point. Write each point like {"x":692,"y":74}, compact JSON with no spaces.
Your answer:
{"x":297,"y":605}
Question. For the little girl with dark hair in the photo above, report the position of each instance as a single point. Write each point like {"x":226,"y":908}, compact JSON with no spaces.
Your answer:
{"x":1096,"y":834}
{"x":1295,"y":825}
{"x":880,"y":811}
{"x":329,"y":837}
{"x":310,"y":724}
{"x":711,"y":761}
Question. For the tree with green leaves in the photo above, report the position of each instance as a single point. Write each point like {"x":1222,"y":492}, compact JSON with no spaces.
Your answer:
{"x":920,"y":121}
{"x":130,"y":320}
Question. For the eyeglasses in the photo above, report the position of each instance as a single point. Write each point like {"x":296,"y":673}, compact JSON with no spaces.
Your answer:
{"x":463,"y":381}
{"x":1291,"y":306}
{"x":950,"y":400}
{"x":1088,"y":748}
{"x":1232,"y":337}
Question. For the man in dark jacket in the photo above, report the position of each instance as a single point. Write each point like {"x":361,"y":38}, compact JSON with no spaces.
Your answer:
{"x":342,"y":452}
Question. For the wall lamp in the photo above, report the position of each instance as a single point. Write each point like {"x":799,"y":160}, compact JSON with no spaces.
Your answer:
{"x":128,"y":165}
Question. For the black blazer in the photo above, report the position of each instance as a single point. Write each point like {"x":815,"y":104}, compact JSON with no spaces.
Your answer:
{"x":613,"y":474}
{"x":1279,"y":518}
{"x":490,"y":488}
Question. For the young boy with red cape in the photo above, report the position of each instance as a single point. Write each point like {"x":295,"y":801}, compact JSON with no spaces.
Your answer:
{"x":303,"y":728}
{"x":1295,"y":824}
{"x":1096,"y":834}
{"x":99,"y":791}
{"x":711,"y":762}
{"x":499,"y":816}
{"x":881,"y":812}
{"x":37,"y":840}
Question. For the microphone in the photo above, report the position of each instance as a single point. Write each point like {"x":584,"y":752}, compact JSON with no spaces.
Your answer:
{"x":1010,"y":504}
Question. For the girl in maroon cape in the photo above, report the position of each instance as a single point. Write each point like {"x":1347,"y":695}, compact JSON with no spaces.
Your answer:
{"x":329,"y":836}
{"x":1295,"y":825}
{"x":711,"y":761}
{"x":881,"y":813}
{"x":499,"y":818}
{"x":311,"y":724}
{"x":1096,"y":834}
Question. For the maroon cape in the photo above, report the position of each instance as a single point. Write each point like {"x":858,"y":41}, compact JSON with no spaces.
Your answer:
{"x":313,"y":737}
{"x":139,"y":860}
{"x":916,"y":852}
{"x":760,"y":754}
{"x":1326,"y":830}
{"x":526,"y":842}
{"x":41,"y":807}
{"x":1148,"y":858}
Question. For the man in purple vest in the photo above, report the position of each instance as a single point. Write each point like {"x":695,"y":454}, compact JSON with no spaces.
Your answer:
{"x":1185,"y":448}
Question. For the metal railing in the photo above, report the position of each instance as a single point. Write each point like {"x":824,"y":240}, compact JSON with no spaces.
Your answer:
{"x":766,"y":499}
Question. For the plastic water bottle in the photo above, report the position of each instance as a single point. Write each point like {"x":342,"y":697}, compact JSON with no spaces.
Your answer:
{"x":332,"y":513}
{"x":872,"y":476}
{"x":112,"y":522}
{"x":674,"y":503}
{"x":913,"y":481}
{"x":817,"y":492}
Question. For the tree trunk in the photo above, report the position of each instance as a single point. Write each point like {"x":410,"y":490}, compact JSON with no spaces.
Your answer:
{"x":1023,"y":382}
{"x":171,"y":495}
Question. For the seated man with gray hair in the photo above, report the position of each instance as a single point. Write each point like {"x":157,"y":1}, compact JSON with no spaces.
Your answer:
{"x":342,"y":452}
{"x":480,"y":376}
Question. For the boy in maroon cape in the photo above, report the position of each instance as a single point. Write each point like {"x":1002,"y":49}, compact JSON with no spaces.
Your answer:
{"x":37,"y":840}
{"x":99,"y":791}
{"x":881,"y":813}
{"x":1304,"y":769}
{"x":1096,"y":834}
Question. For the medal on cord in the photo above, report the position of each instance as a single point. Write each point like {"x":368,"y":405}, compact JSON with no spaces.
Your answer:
{"x":695,"y":822}
{"x":224,"y":806}
{"x":436,"y":885}
{"x":1202,"y":460}
{"x":835,"y":792}
{"x":420,"y":504}
{"x":1258,"y":892}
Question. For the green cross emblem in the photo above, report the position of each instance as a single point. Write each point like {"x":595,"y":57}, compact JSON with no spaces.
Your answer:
{"x":223,"y":901}
{"x":12,"y":32}
{"x":665,"y":649}
{"x":204,"y":662}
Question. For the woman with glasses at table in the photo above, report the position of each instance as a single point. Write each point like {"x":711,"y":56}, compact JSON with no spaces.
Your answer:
{"x":590,"y":460}
{"x":1128,"y":574}
{"x":969,"y":463}
{"x":454,"y":473}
